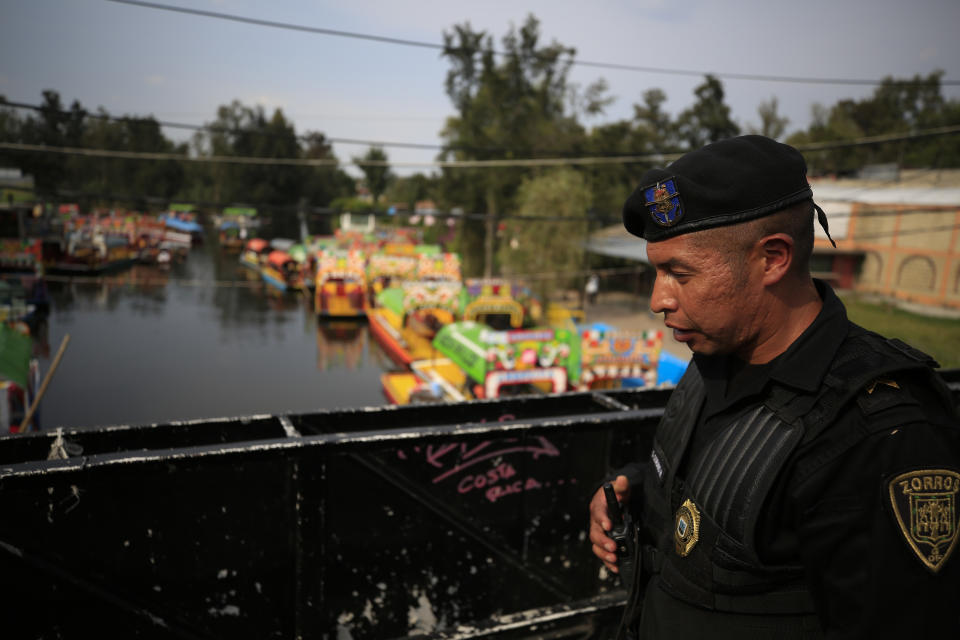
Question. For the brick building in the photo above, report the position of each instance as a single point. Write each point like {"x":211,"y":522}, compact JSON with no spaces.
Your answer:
{"x":901,"y":241}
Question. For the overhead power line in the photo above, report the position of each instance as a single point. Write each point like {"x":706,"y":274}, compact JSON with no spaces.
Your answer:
{"x":440,"y":47}
{"x":813,"y":146}
{"x":272,"y":134}
{"x":452,"y":164}
{"x":324,"y":162}
{"x":226,"y":130}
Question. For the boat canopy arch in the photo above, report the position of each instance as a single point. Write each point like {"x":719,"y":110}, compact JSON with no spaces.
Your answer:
{"x":495,"y":305}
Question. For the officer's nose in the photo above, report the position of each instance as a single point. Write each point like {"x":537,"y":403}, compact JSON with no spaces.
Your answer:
{"x":662,"y":299}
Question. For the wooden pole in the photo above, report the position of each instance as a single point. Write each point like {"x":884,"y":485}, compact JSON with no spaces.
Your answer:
{"x":43,"y":386}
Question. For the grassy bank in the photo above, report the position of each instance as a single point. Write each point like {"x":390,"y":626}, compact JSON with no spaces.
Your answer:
{"x":940,"y":337}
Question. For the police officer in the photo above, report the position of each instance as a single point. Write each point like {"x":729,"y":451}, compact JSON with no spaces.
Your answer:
{"x":804,"y":480}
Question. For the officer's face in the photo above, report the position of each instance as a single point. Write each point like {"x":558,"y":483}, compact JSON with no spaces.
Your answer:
{"x":710,"y":304}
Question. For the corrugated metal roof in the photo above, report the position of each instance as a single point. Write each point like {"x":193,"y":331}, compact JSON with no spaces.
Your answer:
{"x":942,"y":196}
{"x":616,"y":242}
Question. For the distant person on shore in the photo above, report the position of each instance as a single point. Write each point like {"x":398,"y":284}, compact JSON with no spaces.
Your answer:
{"x":804,"y":481}
{"x":592,"y":288}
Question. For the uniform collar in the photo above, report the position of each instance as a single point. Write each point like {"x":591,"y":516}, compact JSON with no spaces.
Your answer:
{"x":804,"y":364}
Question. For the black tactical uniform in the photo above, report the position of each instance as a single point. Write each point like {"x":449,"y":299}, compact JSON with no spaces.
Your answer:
{"x":815,"y":495}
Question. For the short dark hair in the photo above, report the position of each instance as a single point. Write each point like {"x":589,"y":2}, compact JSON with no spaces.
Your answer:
{"x":736,"y":240}
{"x":795,"y":221}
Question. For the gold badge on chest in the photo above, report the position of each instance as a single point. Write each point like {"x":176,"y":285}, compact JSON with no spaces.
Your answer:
{"x":686,"y":529}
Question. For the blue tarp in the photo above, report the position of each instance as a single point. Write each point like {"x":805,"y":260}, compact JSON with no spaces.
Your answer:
{"x":669,"y":371}
{"x":182,"y":225}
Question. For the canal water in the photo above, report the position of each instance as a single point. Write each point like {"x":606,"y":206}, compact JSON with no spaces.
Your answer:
{"x":202,"y":339}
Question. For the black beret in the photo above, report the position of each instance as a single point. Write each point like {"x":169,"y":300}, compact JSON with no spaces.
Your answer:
{"x":727,"y":182}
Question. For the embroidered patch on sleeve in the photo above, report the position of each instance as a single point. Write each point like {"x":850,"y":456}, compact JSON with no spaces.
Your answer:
{"x":924,"y":503}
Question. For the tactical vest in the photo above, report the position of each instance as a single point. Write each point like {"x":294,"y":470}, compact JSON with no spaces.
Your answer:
{"x":729,"y":480}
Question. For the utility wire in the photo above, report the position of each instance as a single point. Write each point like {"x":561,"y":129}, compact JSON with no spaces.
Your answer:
{"x":453,"y":164}
{"x":215,"y":129}
{"x":440,"y":47}
{"x":306,"y":137}
{"x":813,"y":146}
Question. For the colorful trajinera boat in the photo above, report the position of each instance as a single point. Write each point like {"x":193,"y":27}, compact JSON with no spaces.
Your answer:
{"x":92,"y":245}
{"x":608,"y":357}
{"x":385,"y":270}
{"x":500,"y":303}
{"x":480,"y":362}
{"x":340,"y":286}
{"x":254,"y":252}
{"x":281,"y":271}
{"x":19,"y":374}
{"x":183,"y":217}
{"x":407,"y":318}
{"x":234,"y":224}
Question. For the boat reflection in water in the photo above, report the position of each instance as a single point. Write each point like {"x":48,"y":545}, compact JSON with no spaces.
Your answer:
{"x":340,"y":344}
{"x":202,"y":338}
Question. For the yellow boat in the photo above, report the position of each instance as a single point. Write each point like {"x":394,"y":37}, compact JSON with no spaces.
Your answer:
{"x":432,"y":380}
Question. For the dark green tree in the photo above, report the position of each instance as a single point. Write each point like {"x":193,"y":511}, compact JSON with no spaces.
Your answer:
{"x":565,"y":195}
{"x":510,"y":104}
{"x":327,"y":182}
{"x":376,"y":172}
{"x":651,"y":133}
{"x":408,"y":190}
{"x":53,"y":126}
{"x":896,"y":107}
{"x":275,"y":188}
{"x":708,"y":119}
{"x":772,"y":124}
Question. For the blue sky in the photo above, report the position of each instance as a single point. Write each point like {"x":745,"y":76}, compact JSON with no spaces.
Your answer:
{"x":140,"y":61}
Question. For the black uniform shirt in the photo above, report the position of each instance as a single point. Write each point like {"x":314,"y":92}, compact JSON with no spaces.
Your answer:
{"x":866,"y":580}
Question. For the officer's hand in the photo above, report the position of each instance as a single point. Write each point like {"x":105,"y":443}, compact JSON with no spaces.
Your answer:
{"x":603,"y":546}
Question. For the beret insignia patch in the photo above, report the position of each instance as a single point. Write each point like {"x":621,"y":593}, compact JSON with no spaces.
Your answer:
{"x":924,"y":503}
{"x":663,"y":203}
{"x":686,"y":530}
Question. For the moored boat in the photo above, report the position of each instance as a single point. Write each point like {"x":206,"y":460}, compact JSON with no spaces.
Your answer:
{"x":254,"y":252}
{"x":234,"y":225}
{"x":609,"y":357}
{"x":484,"y":363}
{"x":19,"y":375}
{"x":500,"y":303}
{"x":340,"y":290}
{"x":281,"y":271}
{"x":407,"y":318}
{"x":89,"y":247}
{"x":385,"y":270}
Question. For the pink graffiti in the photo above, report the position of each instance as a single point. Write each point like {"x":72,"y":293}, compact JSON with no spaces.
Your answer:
{"x":470,"y":457}
{"x":498,"y":491}
{"x":502,"y":471}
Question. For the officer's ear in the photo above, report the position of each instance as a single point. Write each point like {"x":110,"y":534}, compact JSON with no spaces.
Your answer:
{"x":776,"y":251}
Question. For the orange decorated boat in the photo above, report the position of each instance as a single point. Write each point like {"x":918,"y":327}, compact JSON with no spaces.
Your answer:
{"x":281,"y":271}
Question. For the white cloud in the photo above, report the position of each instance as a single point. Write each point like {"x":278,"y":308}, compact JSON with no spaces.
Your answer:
{"x":155,"y":80}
